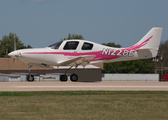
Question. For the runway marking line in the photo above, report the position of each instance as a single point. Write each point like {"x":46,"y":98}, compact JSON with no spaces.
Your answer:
{"x":90,"y":86}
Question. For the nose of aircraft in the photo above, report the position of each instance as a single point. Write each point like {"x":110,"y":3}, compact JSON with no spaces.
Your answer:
{"x":13,"y":54}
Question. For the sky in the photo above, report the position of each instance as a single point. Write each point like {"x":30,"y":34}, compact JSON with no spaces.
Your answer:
{"x":40,"y":23}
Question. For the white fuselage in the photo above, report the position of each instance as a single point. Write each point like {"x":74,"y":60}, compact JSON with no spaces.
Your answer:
{"x":82,"y":52}
{"x":52,"y":56}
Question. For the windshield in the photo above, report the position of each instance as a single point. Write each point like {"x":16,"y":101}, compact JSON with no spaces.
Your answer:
{"x":55,"y":45}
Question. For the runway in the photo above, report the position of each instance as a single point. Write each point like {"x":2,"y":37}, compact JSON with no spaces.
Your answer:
{"x":67,"y":86}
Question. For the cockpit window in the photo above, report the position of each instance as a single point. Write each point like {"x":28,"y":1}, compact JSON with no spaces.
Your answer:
{"x":87,"y":46}
{"x":72,"y":45}
{"x":56,"y":45}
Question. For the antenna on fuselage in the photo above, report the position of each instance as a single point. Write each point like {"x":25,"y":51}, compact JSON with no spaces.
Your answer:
{"x":14,"y":43}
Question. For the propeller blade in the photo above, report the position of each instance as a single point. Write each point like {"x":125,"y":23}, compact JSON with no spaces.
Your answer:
{"x":17,"y":59}
{"x":13,"y":61}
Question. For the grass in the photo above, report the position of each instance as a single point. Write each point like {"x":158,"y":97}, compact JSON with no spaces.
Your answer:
{"x":82,"y":105}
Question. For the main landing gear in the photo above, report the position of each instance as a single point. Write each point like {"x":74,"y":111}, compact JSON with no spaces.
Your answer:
{"x":73,"y":77}
{"x":30,"y":77}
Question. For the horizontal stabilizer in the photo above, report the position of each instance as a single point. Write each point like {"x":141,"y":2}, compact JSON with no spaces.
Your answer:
{"x":147,"y":49}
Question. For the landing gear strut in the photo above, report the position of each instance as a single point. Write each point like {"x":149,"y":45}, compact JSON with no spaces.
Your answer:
{"x":30,"y":77}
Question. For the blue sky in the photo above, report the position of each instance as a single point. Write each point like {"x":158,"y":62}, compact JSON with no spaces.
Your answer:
{"x":40,"y":23}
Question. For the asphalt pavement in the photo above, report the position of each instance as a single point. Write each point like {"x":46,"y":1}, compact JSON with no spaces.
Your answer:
{"x":73,"y":86}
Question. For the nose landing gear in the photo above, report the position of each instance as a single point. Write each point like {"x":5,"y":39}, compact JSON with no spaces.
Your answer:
{"x":30,"y":77}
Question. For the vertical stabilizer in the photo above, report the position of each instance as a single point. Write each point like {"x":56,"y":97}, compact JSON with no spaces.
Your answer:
{"x":151,"y":40}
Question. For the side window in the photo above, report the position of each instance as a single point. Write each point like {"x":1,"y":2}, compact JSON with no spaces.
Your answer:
{"x":72,"y":45}
{"x":87,"y":46}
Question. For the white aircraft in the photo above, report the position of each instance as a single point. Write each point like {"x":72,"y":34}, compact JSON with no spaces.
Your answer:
{"x":81,"y":52}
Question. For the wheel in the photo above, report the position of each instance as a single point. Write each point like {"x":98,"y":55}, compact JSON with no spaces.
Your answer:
{"x":74,"y":77}
{"x":63,"y":78}
{"x":30,"y":78}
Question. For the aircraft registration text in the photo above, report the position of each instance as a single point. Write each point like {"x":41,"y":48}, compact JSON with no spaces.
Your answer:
{"x":118,"y":52}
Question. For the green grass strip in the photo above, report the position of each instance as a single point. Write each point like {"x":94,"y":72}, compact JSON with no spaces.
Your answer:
{"x":32,"y":93}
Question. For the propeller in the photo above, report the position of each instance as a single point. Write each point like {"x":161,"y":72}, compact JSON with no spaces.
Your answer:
{"x":14,"y":60}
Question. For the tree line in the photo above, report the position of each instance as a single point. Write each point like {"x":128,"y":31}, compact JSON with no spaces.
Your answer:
{"x":7,"y":44}
{"x":132,"y":66}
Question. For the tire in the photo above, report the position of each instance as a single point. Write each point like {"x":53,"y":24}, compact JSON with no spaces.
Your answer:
{"x":63,"y":78}
{"x":30,"y":78}
{"x":74,"y":77}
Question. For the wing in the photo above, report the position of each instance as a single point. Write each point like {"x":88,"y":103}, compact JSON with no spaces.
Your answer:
{"x":81,"y":60}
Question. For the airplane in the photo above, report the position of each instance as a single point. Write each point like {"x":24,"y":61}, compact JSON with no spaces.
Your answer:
{"x":82,"y":52}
